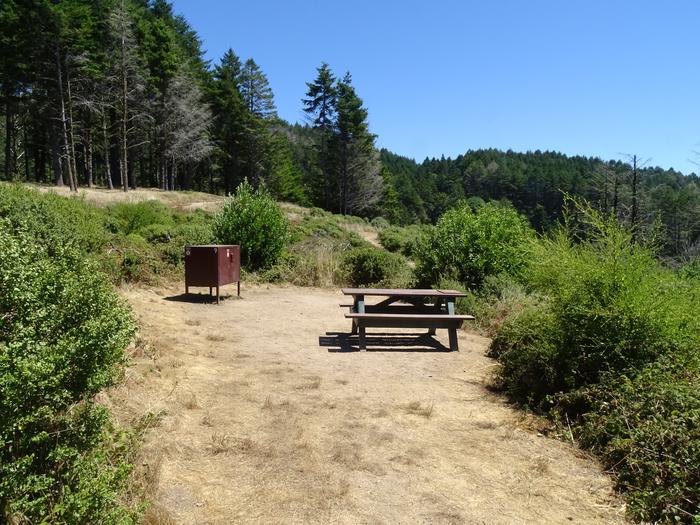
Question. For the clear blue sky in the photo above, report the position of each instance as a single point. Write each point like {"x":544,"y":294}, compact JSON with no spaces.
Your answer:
{"x":600,"y":78}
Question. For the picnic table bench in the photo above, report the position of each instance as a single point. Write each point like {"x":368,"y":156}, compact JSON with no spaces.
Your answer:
{"x":405,"y":308}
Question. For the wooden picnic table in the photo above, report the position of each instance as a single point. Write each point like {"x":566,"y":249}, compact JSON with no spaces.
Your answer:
{"x":415,"y":312}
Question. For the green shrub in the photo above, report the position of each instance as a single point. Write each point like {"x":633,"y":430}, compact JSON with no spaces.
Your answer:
{"x":391,"y":238}
{"x":500,"y":298}
{"x":52,"y":220}
{"x":132,"y":259}
{"x":380,"y":223}
{"x":63,"y":332}
{"x":254,"y":220}
{"x":323,"y":229}
{"x":613,"y":346}
{"x":404,"y":240}
{"x":375,"y":267}
{"x":468,"y":245}
{"x":130,"y":217}
{"x":646,"y":429}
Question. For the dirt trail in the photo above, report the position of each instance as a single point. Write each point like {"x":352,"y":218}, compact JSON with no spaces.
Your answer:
{"x":269,"y":417}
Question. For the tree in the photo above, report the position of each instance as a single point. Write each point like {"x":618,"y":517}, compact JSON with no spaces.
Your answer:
{"x":319,"y":106}
{"x":360,"y":183}
{"x":260,"y":113}
{"x":129,"y":84}
{"x":187,"y":125}
{"x":229,"y":113}
{"x":256,"y":91}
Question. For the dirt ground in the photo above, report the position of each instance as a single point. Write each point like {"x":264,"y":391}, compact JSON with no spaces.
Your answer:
{"x":267,"y":414}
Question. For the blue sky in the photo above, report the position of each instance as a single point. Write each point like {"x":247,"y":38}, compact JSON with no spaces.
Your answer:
{"x":600,"y":78}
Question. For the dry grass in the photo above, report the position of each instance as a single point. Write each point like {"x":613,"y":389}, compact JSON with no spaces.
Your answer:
{"x":220,"y":443}
{"x":312,"y":383}
{"x":277,"y":429}
{"x":420,"y":409}
{"x":157,"y":514}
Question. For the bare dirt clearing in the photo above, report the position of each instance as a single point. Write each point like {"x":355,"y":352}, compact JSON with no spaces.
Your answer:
{"x":267,"y":419}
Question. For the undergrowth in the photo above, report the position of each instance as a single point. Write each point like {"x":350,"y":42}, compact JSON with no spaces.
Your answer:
{"x":610,"y":345}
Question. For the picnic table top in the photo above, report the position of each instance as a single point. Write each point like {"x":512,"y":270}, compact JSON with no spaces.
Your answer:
{"x":403,"y":292}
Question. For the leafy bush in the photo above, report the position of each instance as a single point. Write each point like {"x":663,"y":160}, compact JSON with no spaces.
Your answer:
{"x":612,"y":345}
{"x":499,"y":299}
{"x":254,"y":220}
{"x":468,"y":245}
{"x":375,"y":267}
{"x":130,"y":217}
{"x":380,"y":223}
{"x":646,"y":429}
{"x":403,"y":240}
{"x":62,"y":337}
{"x":52,"y":220}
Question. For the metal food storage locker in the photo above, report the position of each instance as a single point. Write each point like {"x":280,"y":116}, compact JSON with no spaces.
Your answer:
{"x":212,"y":265}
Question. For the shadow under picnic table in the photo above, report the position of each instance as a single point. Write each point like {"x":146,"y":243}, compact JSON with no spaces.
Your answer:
{"x":382,"y":342}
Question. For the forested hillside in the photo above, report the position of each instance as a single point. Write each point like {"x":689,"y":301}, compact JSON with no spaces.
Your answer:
{"x":117,"y":93}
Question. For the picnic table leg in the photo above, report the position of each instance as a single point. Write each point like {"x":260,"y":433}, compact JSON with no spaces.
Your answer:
{"x":454,"y":347}
{"x":361,"y":338}
{"x":438,"y":308}
{"x":360,"y":309}
{"x":452,"y":331}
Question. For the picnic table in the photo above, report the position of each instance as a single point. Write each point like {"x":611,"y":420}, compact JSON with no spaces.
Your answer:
{"x":405,"y":308}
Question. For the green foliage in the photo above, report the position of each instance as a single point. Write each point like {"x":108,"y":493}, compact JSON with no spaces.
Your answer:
{"x":62,"y":337}
{"x":254,"y":220}
{"x":646,"y":429}
{"x":375,"y":267}
{"x":51,"y":220}
{"x":468,"y":245}
{"x":612,"y":344}
{"x":380,"y":223}
{"x":403,"y":240}
{"x":131,"y":217}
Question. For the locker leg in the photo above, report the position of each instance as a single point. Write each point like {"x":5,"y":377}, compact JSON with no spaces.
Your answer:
{"x":217,"y":294}
{"x":239,"y":288}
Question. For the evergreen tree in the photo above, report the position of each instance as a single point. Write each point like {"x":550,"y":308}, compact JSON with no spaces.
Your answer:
{"x":260,"y":113}
{"x":319,"y":106}
{"x":360,"y":183}
{"x":229,"y":113}
{"x":256,"y":91}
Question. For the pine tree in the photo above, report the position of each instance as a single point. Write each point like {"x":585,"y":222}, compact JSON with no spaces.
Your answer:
{"x":256,"y":91}
{"x":229,"y":114}
{"x":357,"y":162}
{"x":260,"y":113}
{"x":319,"y":106}
{"x":129,"y":87}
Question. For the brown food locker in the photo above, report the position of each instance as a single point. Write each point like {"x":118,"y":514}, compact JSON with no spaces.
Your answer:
{"x":212,"y":265}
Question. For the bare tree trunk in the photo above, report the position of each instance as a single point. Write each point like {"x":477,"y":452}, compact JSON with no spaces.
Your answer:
{"x":71,"y":134}
{"x":64,"y":124}
{"x":108,"y":162}
{"x":87,"y":146}
{"x":124,"y":143}
{"x":56,"y":158}
{"x":26,"y":155}
{"x":9,"y":132}
{"x":616,"y":185}
{"x":633,"y":218}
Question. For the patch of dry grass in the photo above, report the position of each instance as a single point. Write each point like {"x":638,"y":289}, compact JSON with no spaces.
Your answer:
{"x":420,"y":409}
{"x":220,"y":443}
{"x":312,"y":383}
